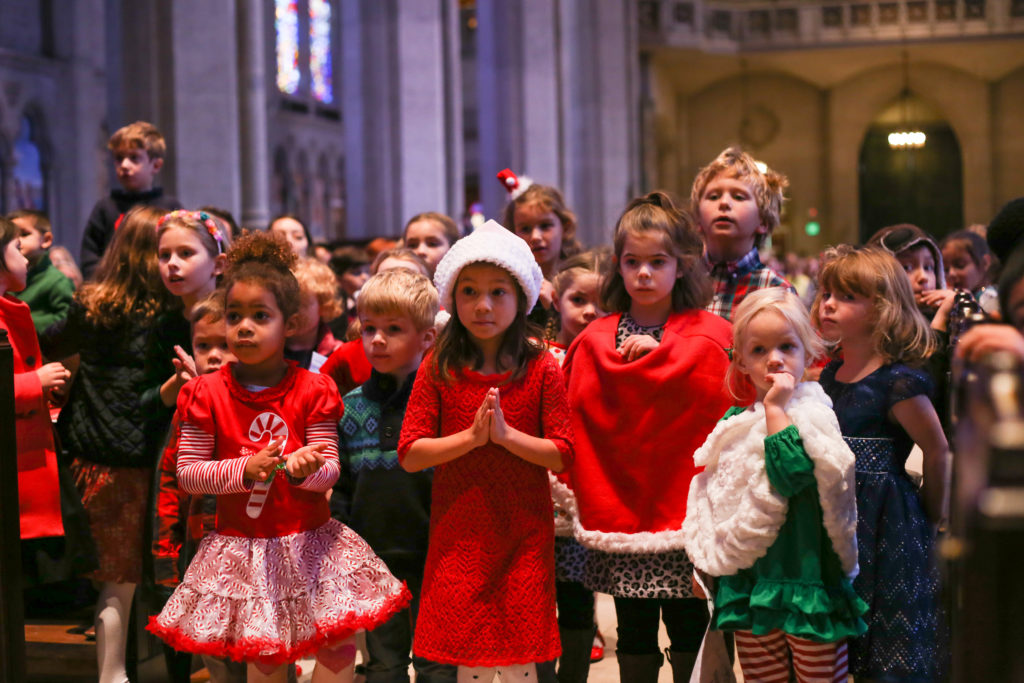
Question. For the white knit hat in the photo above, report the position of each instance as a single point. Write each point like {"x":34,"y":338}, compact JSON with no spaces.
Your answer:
{"x":490,"y":243}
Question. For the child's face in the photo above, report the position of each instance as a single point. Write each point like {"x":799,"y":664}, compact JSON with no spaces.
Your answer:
{"x":292,"y":231}
{"x":578,"y":305}
{"x":135,"y":170}
{"x":770,"y":347}
{"x":186,"y":267}
{"x":486,"y":301}
{"x":353,"y":279}
{"x":210,"y":345}
{"x":961,"y":270}
{"x":15,"y":271}
{"x":919,"y":265}
{"x":392,"y":343}
{"x":256,"y":328}
{"x":729,"y":218}
{"x":309,"y":314}
{"x":648,"y":270}
{"x":428,"y":240}
{"x":845,"y":316}
{"x":33,"y":243}
{"x":542,"y":230}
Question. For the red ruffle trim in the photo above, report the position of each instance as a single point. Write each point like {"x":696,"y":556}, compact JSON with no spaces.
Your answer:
{"x":250,"y":650}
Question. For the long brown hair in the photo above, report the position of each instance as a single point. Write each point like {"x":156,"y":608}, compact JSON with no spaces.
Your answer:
{"x":455,"y":348}
{"x":128,"y":284}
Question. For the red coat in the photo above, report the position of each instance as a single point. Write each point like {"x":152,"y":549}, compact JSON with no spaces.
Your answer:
{"x":637,"y":425}
{"x":348,"y":366}
{"x":38,"y":489}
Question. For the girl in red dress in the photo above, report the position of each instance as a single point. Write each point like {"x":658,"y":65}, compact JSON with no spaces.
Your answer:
{"x":279,"y":579}
{"x":488,"y":412}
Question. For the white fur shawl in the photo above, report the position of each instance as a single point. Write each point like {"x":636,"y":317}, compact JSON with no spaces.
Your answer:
{"x":733,"y":515}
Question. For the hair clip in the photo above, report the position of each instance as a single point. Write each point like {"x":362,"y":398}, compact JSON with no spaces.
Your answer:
{"x":212,"y":227}
{"x":513,"y":184}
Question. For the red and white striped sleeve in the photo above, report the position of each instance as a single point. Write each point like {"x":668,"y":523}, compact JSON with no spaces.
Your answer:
{"x":326,"y":433}
{"x":198,"y":472}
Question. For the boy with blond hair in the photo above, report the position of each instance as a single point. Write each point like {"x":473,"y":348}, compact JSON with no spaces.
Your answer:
{"x":48,"y":291}
{"x":737,"y":205}
{"x":383,"y":503}
{"x":138,"y":151}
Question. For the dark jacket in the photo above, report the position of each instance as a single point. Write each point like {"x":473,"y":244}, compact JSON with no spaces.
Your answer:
{"x":106,"y":215}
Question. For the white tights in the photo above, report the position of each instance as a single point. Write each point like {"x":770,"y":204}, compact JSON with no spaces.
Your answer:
{"x":508,"y":674}
{"x":113,"y":613}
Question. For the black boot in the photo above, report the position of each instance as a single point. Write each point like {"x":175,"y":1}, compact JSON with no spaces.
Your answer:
{"x":682,"y":665}
{"x":639,"y":668}
{"x":574,"y":664}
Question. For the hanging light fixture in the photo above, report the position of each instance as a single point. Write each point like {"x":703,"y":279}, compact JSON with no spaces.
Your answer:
{"x":906,"y":137}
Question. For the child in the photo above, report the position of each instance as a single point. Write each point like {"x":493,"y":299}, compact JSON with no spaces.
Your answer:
{"x":578,"y":303}
{"x":773,"y":515}
{"x":539,"y":216}
{"x":430,"y":235}
{"x":351,"y":266}
{"x":488,"y":412}
{"x":313,"y":341}
{"x":260,"y":435}
{"x":38,"y":487}
{"x":102,"y":426}
{"x":138,"y":152}
{"x":400,"y":257}
{"x":865,"y":305}
{"x":660,"y":361}
{"x":49,"y":292}
{"x":737,"y":206}
{"x":969,"y":266}
{"x":921,"y":260}
{"x":295,"y":233}
{"x":383,"y":503}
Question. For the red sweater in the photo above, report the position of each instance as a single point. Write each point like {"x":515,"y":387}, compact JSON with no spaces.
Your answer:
{"x":637,"y":425}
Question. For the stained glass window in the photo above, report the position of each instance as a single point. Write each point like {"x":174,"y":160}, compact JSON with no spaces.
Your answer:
{"x":286,"y":26}
{"x":28,"y":184}
{"x":320,"y":50}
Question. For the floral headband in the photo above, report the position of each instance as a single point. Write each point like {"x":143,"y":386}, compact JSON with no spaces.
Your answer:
{"x":201,"y":217}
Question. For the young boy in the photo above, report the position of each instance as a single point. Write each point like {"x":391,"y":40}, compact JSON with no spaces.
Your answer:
{"x":49,"y":291}
{"x":380,"y":501}
{"x":138,"y":153}
{"x":737,"y":206}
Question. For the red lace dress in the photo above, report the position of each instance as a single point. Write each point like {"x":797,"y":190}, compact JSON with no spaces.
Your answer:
{"x":489,"y":584}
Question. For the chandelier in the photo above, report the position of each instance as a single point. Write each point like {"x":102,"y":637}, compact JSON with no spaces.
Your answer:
{"x":906,"y":136}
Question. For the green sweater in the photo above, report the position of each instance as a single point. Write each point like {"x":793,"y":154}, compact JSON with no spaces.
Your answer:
{"x":799,"y":585}
{"x":48,"y":294}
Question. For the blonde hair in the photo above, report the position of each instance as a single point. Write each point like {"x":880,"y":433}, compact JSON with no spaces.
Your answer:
{"x":770,"y":300}
{"x":316,"y":278}
{"x":767,"y":187}
{"x":549,"y":199}
{"x":901,"y":334}
{"x":214,"y":234}
{"x":139,"y":135}
{"x":400,"y":292}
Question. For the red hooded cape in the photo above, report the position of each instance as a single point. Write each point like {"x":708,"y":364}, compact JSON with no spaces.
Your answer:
{"x":637,"y":426}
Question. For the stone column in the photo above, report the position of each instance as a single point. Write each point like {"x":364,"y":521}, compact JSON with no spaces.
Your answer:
{"x":401,"y":108}
{"x":252,"y":119}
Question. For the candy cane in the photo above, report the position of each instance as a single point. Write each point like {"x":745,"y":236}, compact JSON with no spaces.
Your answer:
{"x":271,"y":426}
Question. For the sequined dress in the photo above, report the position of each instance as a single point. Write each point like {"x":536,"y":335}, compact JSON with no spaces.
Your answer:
{"x":898,"y":574}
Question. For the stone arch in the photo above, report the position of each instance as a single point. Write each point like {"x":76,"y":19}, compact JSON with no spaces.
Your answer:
{"x":853,"y":105}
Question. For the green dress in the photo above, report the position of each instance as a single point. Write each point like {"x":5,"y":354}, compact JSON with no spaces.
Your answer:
{"x":799,"y":586}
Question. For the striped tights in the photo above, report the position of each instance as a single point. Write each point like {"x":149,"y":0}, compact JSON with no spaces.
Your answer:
{"x":771,"y":657}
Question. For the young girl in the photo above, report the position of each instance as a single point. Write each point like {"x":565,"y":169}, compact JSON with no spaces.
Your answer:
{"x":430,"y":235}
{"x":278,"y":579}
{"x":969,"y":266}
{"x":645,"y":389}
{"x":103,"y":426}
{"x":866,"y":307}
{"x":578,"y":303}
{"x":773,"y":515}
{"x":488,"y":412}
{"x":313,"y":342}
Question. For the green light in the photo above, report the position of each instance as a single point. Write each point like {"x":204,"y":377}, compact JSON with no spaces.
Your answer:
{"x":812,"y":228}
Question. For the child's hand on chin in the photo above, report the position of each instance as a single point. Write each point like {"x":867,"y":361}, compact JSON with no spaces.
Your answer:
{"x":258,"y":467}
{"x":637,"y":345}
{"x":305,"y":461}
{"x":783,"y":385}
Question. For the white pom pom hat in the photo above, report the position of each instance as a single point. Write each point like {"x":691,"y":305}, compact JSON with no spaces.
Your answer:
{"x":490,"y":243}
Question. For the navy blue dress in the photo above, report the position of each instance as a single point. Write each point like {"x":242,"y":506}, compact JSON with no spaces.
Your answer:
{"x":898,"y":575}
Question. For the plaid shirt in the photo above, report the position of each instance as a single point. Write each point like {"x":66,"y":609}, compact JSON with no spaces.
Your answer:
{"x":735,"y":279}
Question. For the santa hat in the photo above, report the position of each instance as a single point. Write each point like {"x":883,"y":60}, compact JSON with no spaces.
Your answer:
{"x":490,"y":243}
{"x":515,"y":185}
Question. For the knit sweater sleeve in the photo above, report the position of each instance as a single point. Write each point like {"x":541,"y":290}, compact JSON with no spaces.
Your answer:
{"x":423,"y":414}
{"x":787,"y":465}
{"x":555,"y":419}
